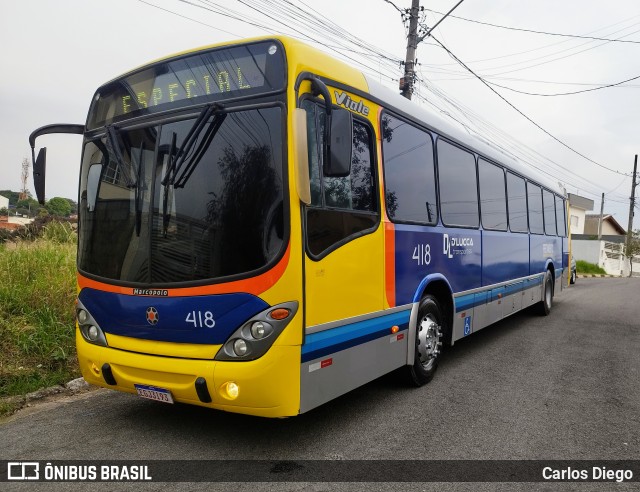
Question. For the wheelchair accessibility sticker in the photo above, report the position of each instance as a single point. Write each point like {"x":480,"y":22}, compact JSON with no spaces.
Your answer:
{"x":467,"y":326}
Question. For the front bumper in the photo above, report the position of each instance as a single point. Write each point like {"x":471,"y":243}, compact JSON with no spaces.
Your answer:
{"x":268,"y":386}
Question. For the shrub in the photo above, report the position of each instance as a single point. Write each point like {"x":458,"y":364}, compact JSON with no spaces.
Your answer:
{"x":586,"y":267}
{"x":37,"y":293}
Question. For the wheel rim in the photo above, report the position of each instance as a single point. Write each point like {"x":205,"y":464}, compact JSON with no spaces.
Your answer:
{"x":547,"y":293}
{"x":429,"y":343}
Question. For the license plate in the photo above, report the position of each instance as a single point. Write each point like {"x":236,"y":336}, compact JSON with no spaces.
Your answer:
{"x":154,"y":393}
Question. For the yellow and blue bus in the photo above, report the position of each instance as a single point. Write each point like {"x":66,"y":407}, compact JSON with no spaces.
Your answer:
{"x":263,"y":228}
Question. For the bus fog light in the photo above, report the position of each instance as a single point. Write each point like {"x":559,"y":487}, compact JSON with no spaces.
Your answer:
{"x":240,"y":347}
{"x":93,"y":333}
{"x":260,"y":330}
{"x":232,"y":390}
{"x":82,"y":316}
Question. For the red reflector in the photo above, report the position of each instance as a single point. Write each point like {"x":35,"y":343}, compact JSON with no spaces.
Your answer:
{"x":279,"y":314}
{"x":326,"y":363}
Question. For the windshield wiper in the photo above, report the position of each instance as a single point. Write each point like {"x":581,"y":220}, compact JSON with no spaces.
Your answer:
{"x":138,"y":193}
{"x":112,"y":138}
{"x":166,"y":218}
{"x":188,"y":157}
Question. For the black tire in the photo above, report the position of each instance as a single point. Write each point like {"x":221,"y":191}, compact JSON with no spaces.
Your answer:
{"x":428,"y":343}
{"x":547,"y":294}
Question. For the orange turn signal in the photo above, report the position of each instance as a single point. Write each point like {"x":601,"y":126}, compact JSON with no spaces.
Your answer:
{"x":279,"y":314}
{"x":395,"y":329}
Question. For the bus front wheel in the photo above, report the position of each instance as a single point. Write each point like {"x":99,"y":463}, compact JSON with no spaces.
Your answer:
{"x":428,"y":342}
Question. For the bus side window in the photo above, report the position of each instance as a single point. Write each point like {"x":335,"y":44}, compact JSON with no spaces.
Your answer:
{"x":493,"y":199}
{"x":409,"y":172}
{"x":517,"y":200}
{"x":549,"y":213}
{"x":458,"y":186}
{"x":534,"y":200}
{"x":345,"y":207}
{"x":562,"y":226}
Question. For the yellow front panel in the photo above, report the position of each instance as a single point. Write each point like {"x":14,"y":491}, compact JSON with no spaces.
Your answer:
{"x":268,"y":387}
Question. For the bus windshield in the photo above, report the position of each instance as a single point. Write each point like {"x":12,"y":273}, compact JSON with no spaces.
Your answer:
{"x":195,"y":199}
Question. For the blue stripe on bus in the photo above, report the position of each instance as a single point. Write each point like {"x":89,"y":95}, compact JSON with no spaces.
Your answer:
{"x":469,"y":301}
{"x":336,"y":339}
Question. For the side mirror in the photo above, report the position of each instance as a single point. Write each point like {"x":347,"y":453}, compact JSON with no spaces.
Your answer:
{"x":338,"y":142}
{"x":40,"y":164}
{"x":39,"y":173}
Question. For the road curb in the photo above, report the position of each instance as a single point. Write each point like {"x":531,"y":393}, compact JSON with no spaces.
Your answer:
{"x":597,"y":275}
{"x":18,"y":402}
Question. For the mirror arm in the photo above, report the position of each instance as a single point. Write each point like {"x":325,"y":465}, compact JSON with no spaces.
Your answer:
{"x":318,"y":87}
{"x":55,"y":128}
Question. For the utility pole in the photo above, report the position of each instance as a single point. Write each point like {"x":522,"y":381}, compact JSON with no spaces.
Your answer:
{"x":632,"y":204}
{"x":600,"y":220}
{"x":406,"y":83}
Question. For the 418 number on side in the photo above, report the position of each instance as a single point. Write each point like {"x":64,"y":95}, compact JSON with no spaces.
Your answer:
{"x":422,"y":254}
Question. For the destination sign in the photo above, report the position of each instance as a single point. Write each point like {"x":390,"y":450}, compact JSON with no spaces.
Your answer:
{"x":220,"y":74}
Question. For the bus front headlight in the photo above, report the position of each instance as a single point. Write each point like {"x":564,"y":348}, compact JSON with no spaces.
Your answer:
{"x":253,"y":339}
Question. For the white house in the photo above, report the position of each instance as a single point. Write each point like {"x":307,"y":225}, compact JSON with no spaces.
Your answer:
{"x":609,"y":251}
{"x":4,"y":202}
{"x":578,"y":207}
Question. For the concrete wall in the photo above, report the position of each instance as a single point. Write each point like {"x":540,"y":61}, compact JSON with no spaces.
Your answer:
{"x":608,"y":256}
{"x":586,"y":250}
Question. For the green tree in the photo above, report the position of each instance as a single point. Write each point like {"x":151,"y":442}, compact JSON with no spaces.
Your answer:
{"x":59,"y":207}
{"x":28,"y":206}
{"x":13,"y":196}
{"x":4,"y":211}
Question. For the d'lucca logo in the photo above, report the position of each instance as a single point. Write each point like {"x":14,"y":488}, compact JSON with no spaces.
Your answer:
{"x":456,"y":245}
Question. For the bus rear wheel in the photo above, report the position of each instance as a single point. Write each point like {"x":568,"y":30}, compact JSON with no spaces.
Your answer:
{"x":428,"y":342}
{"x":547,"y":294}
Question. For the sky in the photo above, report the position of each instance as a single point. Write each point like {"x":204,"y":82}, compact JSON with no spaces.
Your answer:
{"x":57,"y":53}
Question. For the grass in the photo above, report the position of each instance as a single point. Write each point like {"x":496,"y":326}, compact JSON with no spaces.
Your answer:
{"x":586,"y":267}
{"x":37,"y":293}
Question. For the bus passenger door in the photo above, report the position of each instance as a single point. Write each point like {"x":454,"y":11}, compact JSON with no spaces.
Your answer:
{"x":342,"y":233}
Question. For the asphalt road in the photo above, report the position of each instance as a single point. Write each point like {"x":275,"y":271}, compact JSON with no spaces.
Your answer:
{"x":560,"y":387}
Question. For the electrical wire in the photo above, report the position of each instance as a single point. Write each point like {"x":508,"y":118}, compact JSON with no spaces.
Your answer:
{"x":549,"y":134}
{"x":577,"y":36}
{"x":565,"y":93}
{"x":321,"y":29}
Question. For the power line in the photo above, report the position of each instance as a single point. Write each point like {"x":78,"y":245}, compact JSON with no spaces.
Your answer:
{"x":554,"y":44}
{"x":395,"y":6}
{"x":565,"y":93}
{"x":578,"y":36}
{"x":522,"y":114}
{"x":444,"y":16}
{"x":316,"y":25}
{"x":189,"y":18}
